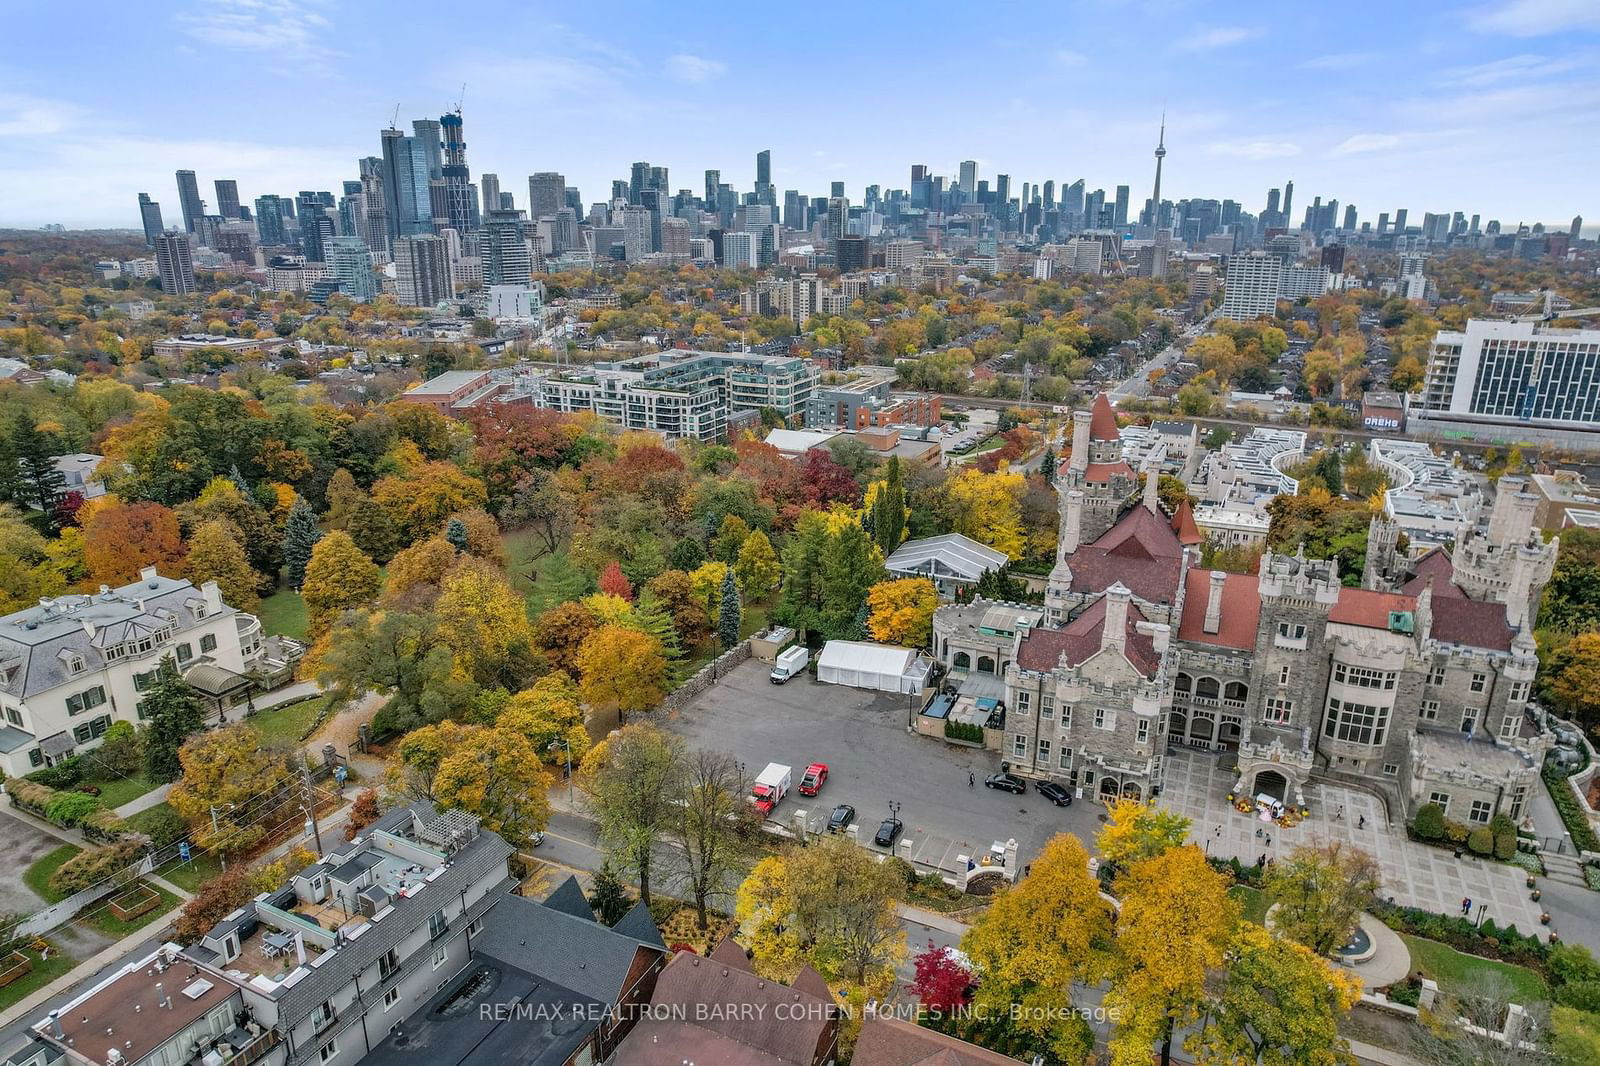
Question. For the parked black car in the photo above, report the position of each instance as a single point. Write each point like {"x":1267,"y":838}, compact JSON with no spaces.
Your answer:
{"x":1054,"y":793}
{"x":888,"y":832}
{"x":841,"y":817}
{"x":1006,"y":783}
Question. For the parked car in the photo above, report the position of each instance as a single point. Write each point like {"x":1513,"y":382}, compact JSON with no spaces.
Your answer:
{"x":811,"y":781}
{"x":1054,"y":793}
{"x":841,"y":818}
{"x":537,"y":839}
{"x":888,"y":832}
{"x":1006,"y":783}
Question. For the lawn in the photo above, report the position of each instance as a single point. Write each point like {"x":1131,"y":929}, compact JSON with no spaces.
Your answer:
{"x":288,"y":723}
{"x":283,"y":612}
{"x":37,"y":875}
{"x":190,"y":875}
{"x":1252,"y":901}
{"x":115,"y":791}
{"x":754,"y":620}
{"x":57,"y":965}
{"x":1457,"y":972}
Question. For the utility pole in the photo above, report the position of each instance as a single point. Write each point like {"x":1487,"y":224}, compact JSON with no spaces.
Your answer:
{"x":310,"y":804}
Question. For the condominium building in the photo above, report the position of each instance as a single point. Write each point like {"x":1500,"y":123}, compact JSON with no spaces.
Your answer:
{"x":175,"y":263}
{"x":1518,"y":372}
{"x":739,"y":251}
{"x":1251,"y":286}
{"x":72,"y":665}
{"x":421,"y":270}
{"x":351,"y":265}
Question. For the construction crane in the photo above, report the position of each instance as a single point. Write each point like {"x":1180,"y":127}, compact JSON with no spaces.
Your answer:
{"x":394,"y":123}
{"x":1550,"y":314}
{"x":461,"y":98}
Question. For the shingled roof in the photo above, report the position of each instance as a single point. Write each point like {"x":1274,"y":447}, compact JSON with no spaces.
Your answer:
{"x":1103,"y":424}
{"x":1472,"y":624}
{"x":1436,"y":565}
{"x":1183,"y":525}
{"x":1241,"y":610}
{"x":1140,"y":550}
{"x":888,"y":1041}
{"x":1078,"y":640}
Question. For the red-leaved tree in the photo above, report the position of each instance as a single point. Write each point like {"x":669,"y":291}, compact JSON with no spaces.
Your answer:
{"x":613,"y":582}
{"x":942,"y":982}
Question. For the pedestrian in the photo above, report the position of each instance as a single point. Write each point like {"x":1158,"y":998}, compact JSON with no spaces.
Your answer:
{"x":972,"y":781}
{"x":1362,"y":824}
{"x":1258,"y":832}
{"x":1219,"y":832}
{"x":1466,"y":905}
{"x":1269,"y":842}
{"x":1338,"y":815}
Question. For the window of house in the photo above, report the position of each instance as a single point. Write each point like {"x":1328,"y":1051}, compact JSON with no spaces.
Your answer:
{"x":143,"y":680}
{"x":1430,"y":711}
{"x":1283,"y":675}
{"x":35,"y":757}
{"x":1509,"y":726}
{"x":1478,"y":681}
{"x":1047,"y":707}
{"x":1391,"y":769}
{"x":1042,"y":753}
{"x":98,"y":727}
{"x":1441,"y":798}
{"x":388,"y":964}
{"x":1436,"y":676}
{"x":185,"y":652}
{"x":1144,"y":730}
{"x":436,"y":924}
{"x":1019,"y":745}
{"x":1023,"y":701}
{"x":327,"y":1051}
{"x":1480,"y":812}
{"x":1519,"y":692}
{"x":1277,"y":711}
{"x":1362,"y":677}
{"x":14,"y":716}
{"x":390,"y":998}
{"x":75,"y":664}
{"x":1066,"y":717}
{"x":81,"y":733}
{"x":1064,"y":760}
{"x":1183,"y":683}
{"x":440,"y":956}
{"x":1291,"y":633}
{"x":208,"y":642}
{"x":1469,"y":719}
{"x":1236,"y":691}
{"x":79,"y":702}
{"x":1519,"y":796}
{"x":1104,"y":719}
{"x":1355,"y":723}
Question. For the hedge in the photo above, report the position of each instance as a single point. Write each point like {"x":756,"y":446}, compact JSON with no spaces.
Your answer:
{"x":89,"y":868}
{"x":1572,"y":815}
{"x":963,"y":731}
{"x":64,"y":774}
{"x":1488,"y":939}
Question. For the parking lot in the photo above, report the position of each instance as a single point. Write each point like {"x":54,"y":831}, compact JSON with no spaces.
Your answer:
{"x":872,"y":761}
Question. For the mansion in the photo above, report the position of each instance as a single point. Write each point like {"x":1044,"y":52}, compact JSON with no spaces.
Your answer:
{"x":1414,"y":683}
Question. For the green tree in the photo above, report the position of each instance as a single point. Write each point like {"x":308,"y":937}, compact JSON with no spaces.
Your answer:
{"x":889,"y":509}
{"x":757,"y":567}
{"x":800,"y":602}
{"x":1321,"y":891}
{"x":728,"y":613}
{"x":609,"y":896}
{"x":174,"y":713}
{"x":455,"y":533}
{"x":632,"y":793}
{"x":300,"y":536}
{"x":850,"y":566}
{"x":373,"y":531}
{"x":34,"y":454}
{"x":1047,"y":466}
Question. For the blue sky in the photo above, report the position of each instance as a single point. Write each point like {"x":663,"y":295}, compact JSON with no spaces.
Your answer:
{"x":1488,"y":106}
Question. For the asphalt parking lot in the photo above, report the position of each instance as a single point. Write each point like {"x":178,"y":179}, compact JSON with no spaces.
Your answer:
{"x":872,"y":761}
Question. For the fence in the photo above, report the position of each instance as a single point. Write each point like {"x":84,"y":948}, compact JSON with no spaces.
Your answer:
{"x":706,"y":676}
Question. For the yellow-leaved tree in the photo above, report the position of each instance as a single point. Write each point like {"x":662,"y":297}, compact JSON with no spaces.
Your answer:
{"x":757,"y":569}
{"x":902,"y":611}
{"x":338,"y":577}
{"x":621,"y":670}
{"x":485,"y":624}
{"x":550,"y":718}
{"x":1135,"y":831}
{"x":988,"y":508}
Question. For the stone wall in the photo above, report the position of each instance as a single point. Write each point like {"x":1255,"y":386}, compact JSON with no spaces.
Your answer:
{"x":706,"y":676}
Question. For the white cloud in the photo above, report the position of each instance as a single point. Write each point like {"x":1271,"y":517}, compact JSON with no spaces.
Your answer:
{"x":1365,"y":142}
{"x":1339,"y":61}
{"x":694,"y":69}
{"x":1254,"y":149}
{"x":30,"y":116}
{"x":1220,"y":37}
{"x":1066,"y":57}
{"x":293,"y":31}
{"x":1511,"y":68}
{"x":1536,"y":18}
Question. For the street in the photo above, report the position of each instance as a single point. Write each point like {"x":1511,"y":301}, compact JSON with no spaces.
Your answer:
{"x":1138,"y":383}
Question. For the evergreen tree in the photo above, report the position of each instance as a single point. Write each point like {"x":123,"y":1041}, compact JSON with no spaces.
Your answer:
{"x":456,"y":533}
{"x":728,"y":616}
{"x":10,"y":471}
{"x":651,"y":615}
{"x":174,"y":713}
{"x":39,"y":483}
{"x":800,"y":602}
{"x":712,"y":525}
{"x":850,"y":566}
{"x":239,"y":482}
{"x":557,"y":581}
{"x":300,"y":535}
{"x":608,"y":896}
{"x":1047,"y":466}
{"x":889,"y":510}
{"x":859,"y":629}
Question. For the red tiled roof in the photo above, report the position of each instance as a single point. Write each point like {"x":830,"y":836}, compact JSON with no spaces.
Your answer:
{"x":1437,"y":565}
{"x":1472,"y":623}
{"x":1102,"y":473}
{"x":1103,"y":426}
{"x":1140,"y":550}
{"x":1183,"y":524}
{"x":891,"y":1042}
{"x":1365,"y":607}
{"x":1042,"y":649}
{"x":1241,"y":610}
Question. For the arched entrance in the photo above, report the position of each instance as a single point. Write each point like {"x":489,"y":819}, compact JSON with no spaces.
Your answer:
{"x":962,"y":661}
{"x":985,"y":665}
{"x":1132,"y":791}
{"x":1270,"y":783}
{"x":1201,"y":729}
{"x":1108,"y":788}
{"x":1177,"y":725}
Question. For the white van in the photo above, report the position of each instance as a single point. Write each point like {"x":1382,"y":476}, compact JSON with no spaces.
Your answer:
{"x":789,"y":663}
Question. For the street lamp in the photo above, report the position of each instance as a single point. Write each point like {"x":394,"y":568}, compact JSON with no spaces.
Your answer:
{"x":563,"y":742}
{"x":894,"y":810}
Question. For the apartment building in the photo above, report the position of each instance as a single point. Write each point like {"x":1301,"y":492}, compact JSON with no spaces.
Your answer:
{"x":1516,"y":372}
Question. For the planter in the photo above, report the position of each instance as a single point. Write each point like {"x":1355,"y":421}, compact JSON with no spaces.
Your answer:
{"x":1534,"y":895}
{"x":1530,"y":881}
{"x":15,"y":965}
{"x":140,"y":899}
{"x":1544,"y":919}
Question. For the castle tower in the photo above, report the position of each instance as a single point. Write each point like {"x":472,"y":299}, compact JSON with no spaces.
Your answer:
{"x":1509,"y":562}
{"x":1383,"y":537}
{"x":1096,"y":469}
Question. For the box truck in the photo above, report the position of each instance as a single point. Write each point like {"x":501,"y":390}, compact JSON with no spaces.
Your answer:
{"x":790,"y":662}
{"x":770,"y":788}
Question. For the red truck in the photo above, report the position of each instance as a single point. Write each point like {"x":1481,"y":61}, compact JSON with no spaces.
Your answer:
{"x":770,"y":788}
{"x":811,"y":781}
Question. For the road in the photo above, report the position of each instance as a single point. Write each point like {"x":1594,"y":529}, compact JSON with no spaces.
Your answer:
{"x":1138,"y":383}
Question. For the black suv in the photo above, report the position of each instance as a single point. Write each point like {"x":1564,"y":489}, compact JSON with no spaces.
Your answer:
{"x":841,"y":817}
{"x":1006,"y":782}
{"x":1054,"y":793}
{"x":888,"y":832}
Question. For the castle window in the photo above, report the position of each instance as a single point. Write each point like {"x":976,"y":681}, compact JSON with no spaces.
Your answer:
{"x":1430,"y":711}
{"x":1355,"y":723}
{"x":1469,"y":720}
{"x":1047,"y":707}
{"x":1362,"y":677}
{"x":1478,"y":681}
{"x":1481,"y":810}
{"x":1042,"y":757}
{"x":1019,"y":745}
{"x":1509,"y":725}
{"x":1391,"y":769}
{"x":1442,"y":799}
{"x":1023,"y":700}
{"x":1436,"y":676}
{"x":1283,"y":675}
{"x":1183,"y":683}
{"x":1207,"y":688}
{"x":1144,"y":730}
{"x":1519,"y":692}
{"x":1237,"y":691}
{"x":1277,"y":711}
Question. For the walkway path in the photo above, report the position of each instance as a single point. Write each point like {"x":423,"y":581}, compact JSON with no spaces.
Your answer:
{"x":1574,"y":909}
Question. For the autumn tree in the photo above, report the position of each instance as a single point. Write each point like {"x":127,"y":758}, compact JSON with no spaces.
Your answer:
{"x":174,"y":713}
{"x":1571,"y":678}
{"x":422,"y":499}
{"x":705,"y":830}
{"x":121,"y":539}
{"x":1279,"y":1004}
{"x":621,"y":670}
{"x":486,"y":771}
{"x":1136,"y":831}
{"x":988,"y":508}
{"x":338,"y":578}
{"x":400,"y":653}
{"x":613,"y":582}
{"x":540,"y":504}
{"x":631,"y":794}
{"x":757,"y":566}
{"x":232,"y":789}
{"x":415,"y":573}
{"x":675,"y":591}
{"x":1321,"y":891}
{"x":485,"y":625}
{"x":730,"y":538}
{"x":560,"y":632}
{"x":1172,"y":934}
{"x":902,"y":611}
{"x":300,"y":536}
{"x":215,"y":555}
{"x":943,"y":983}
{"x":1037,"y":940}
{"x":364,"y":810}
{"x":549,"y":716}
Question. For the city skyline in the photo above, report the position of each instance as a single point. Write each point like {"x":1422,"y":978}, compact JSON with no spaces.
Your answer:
{"x":1258,"y":98}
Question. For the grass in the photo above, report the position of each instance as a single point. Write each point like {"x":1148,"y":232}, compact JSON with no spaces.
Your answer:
{"x":37,"y":875}
{"x":115,"y":791}
{"x":288,"y":723}
{"x":284,"y":612}
{"x":1253,"y":903}
{"x":190,"y":875}
{"x":1456,"y":972}
{"x":57,"y":965}
{"x":113,"y":926}
{"x":754,"y":621}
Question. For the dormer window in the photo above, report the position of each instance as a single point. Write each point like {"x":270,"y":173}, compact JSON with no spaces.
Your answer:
{"x":75,"y":664}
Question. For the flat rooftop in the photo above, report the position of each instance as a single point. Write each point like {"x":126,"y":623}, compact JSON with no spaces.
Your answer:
{"x":127,"y":1014}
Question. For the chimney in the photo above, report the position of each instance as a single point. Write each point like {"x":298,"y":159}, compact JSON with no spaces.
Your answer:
{"x":55,"y":1025}
{"x":1080,"y":440}
{"x":1072,"y":525}
{"x":1114,"y":633}
{"x":161,"y":997}
{"x":147,"y":573}
{"x":1213,"y":621}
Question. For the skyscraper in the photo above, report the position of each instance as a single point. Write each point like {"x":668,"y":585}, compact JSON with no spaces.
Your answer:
{"x":764,"y":194}
{"x":269,"y":220}
{"x":430,"y":136}
{"x":546,"y":194}
{"x":969,"y":180}
{"x":713,"y":179}
{"x":838,"y":220}
{"x":1120,"y":218}
{"x":1349,"y":225}
{"x":507,"y":259}
{"x":189,"y":200}
{"x":350,"y":263}
{"x":490,"y":185}
{"x":175,"y":263}
{"x":150,"y":218}
{"x":227,"y":198}
{"x":421,"y":270}
{"x":1288,"y":203}
{"x":461,"y":196}
{"x":1158,"y":265}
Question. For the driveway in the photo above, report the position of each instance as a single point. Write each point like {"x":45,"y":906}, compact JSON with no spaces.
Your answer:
{"x":21,"y":844}
{"x":872,"y":761}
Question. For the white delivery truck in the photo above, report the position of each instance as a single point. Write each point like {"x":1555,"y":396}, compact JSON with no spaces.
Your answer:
{"x":770,"y":788}
{"x":790,"y":662}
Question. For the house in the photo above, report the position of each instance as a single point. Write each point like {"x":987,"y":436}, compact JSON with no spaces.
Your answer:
{"x":951,"y":562}
{"x":72,"y":665}
{"x":77,"y":473}
{"x":886,"y":1041}
{"x":716,"y":1009}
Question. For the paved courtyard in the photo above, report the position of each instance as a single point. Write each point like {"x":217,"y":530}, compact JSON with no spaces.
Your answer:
{"x":1413,"y":874}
